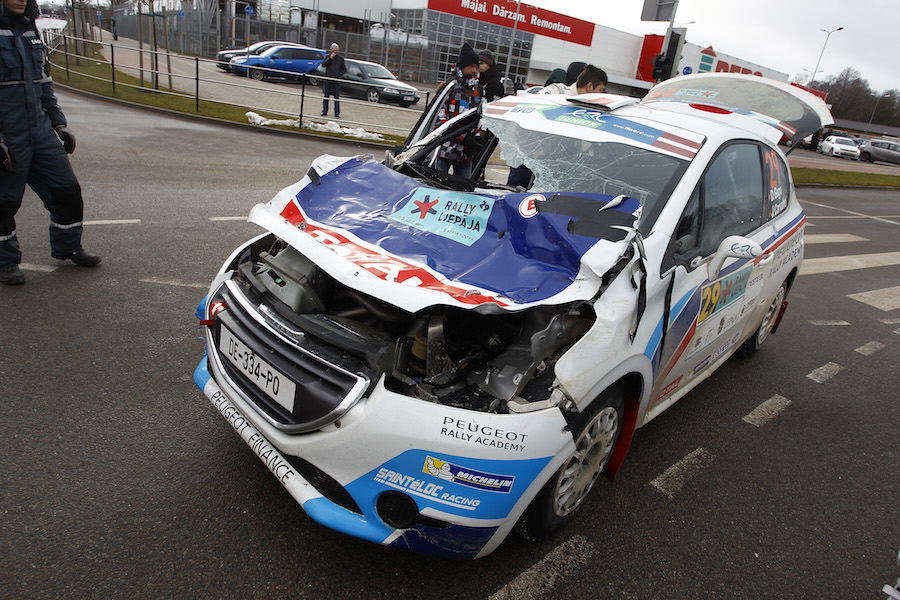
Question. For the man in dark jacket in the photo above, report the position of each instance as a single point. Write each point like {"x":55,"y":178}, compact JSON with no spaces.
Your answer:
{"x":34,"y":141}
{"x":466,"y":94}
{"x":489,"y":77}
{"x":335,"y":69}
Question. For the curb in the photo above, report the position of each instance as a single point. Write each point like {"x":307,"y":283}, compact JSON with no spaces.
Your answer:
{"x":192,"y":117}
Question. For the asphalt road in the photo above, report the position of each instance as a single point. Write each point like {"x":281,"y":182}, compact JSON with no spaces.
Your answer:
{"x":118,"y":479}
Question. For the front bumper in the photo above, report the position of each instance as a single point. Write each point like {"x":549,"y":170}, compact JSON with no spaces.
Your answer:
{"x":468,"y":475}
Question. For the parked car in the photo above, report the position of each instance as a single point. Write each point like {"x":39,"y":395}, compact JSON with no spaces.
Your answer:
{"x":844,"y":147}
{"x":429,"y":362}
{"x":373,"y":82}
{"x":883,"y":150}
{"x":280,"y":62}
{"x":223,"y":57}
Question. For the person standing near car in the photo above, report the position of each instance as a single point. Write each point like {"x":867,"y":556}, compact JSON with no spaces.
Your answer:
{"x":489,"y":77}
{"x":466,"y":94}
{"x":335,"y":68}
{"x":34,"y":142}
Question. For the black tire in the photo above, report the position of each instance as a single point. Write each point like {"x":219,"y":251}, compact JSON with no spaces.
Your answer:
{"x":559,"y":499}
{"x":750,"y":347}
{"x":372,"y":95}
{"x":866,"y":157}
{"x":258,"y":74}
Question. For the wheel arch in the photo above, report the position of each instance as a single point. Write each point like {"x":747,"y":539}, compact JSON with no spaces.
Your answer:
{"x":631,"y":388}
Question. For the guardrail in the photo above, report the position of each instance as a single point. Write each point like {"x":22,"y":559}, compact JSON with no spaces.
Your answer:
{"x":125,"y":63}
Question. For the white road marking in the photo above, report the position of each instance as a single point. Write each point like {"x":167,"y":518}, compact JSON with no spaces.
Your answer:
{"x":244,"y":218}
{"x":825,"y":372}
{"x":870,"y":348}
{"x":829,"y":323}
{"x":890,"y":321}
{"x":886,"y":299}
{"x":854,"y":213}
{"x":40,"y":268}
{"x":832,"y":238}
{"x":675,"y":477}
{"x":201,"y":286}
{"x":767,"y":411}
{"x":114,"y":222}
{"x":833,"y":264}
{"x":540,"y":578}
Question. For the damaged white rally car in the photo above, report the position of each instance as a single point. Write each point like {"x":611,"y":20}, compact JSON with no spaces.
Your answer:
{"x":429,"y":362}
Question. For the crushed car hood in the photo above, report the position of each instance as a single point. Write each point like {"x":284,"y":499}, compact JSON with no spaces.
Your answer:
{"x":387,"y":235}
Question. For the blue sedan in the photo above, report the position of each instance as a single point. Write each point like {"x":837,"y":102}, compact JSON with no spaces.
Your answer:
{"x":289,"y":62}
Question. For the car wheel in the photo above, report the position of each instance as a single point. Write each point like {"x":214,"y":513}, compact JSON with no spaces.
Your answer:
{"x":768,"y":323}
{"x":258,"y":74}
{"x":559,"y":499}
{"x":372,"y":95}
{"x":866,"y":157}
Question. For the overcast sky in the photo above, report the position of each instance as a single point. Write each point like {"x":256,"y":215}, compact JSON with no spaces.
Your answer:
{"x":784,"y":35}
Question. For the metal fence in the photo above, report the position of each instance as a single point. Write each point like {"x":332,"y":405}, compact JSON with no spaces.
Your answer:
{"x":199,"y":79}
{"x":203,"y":33}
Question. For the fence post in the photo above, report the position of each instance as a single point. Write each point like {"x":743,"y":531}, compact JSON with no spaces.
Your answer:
{"x":302,"y":98}
{"x":112,"y":67}
{"x":197,"y":83}
{"x":66,"y":52}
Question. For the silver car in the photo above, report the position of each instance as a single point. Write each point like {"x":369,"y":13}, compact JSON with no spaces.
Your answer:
{"x":884,"y":150}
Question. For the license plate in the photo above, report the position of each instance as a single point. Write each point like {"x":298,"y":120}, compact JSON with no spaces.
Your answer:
{"x":410,"y":98}
{"x":267,"y":378}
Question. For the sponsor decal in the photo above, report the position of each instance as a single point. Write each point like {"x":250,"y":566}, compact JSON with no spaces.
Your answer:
{"x":528,"y":205}
{"x":670,"y":387}
{"x":260,"y":445}
{"x":468,"y":477}
{"x":382,"y":265}
{"x":721,"y":293}
{"x":454,"y":215}
{"x":625,"y":128}
{"x":424,"y":489}
{"x":483,"y":435}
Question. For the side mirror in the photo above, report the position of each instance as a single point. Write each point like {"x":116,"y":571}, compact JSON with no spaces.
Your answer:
{"x":734,"y":246}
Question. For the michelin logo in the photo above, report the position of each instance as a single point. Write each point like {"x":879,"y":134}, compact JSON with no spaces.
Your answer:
{"x":468,"y":477}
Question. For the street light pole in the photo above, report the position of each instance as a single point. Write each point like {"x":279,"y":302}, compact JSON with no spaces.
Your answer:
{"x":816,"y":70}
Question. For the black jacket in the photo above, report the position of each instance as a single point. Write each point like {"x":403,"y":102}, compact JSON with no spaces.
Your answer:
{"x":491,"y":86}
{"x":334,"y":65}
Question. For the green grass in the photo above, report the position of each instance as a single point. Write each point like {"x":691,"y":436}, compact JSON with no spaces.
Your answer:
{"x":804,"y":175}
{"x":94,"y":75}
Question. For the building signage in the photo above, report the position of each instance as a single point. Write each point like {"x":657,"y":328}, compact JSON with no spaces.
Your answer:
{"x":521,"y":16}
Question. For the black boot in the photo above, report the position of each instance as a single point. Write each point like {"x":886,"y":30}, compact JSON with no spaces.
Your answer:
{"x":11,"y":276}
{"x":80,"y":258}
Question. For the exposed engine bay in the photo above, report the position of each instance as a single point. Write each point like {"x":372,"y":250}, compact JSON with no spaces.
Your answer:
{"x":463,"y":358}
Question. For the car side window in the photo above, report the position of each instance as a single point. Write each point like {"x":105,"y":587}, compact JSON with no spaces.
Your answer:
{"x":353,"y":70}
{"x":743,"y":183}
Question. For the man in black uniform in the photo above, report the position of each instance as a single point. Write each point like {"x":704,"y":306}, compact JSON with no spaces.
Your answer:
{"x":34,"y":142}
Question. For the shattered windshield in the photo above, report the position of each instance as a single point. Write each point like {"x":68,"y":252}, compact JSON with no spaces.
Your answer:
{"x":562,"y":163}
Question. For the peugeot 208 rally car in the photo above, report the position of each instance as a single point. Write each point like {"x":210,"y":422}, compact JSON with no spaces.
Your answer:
{"x":429,"y":362}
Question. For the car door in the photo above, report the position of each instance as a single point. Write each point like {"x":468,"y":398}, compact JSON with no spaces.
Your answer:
{"x":353,"y":81}
{"x":280,"y":60}
{"x":307,"y":59}
{"x":715,"y":301}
